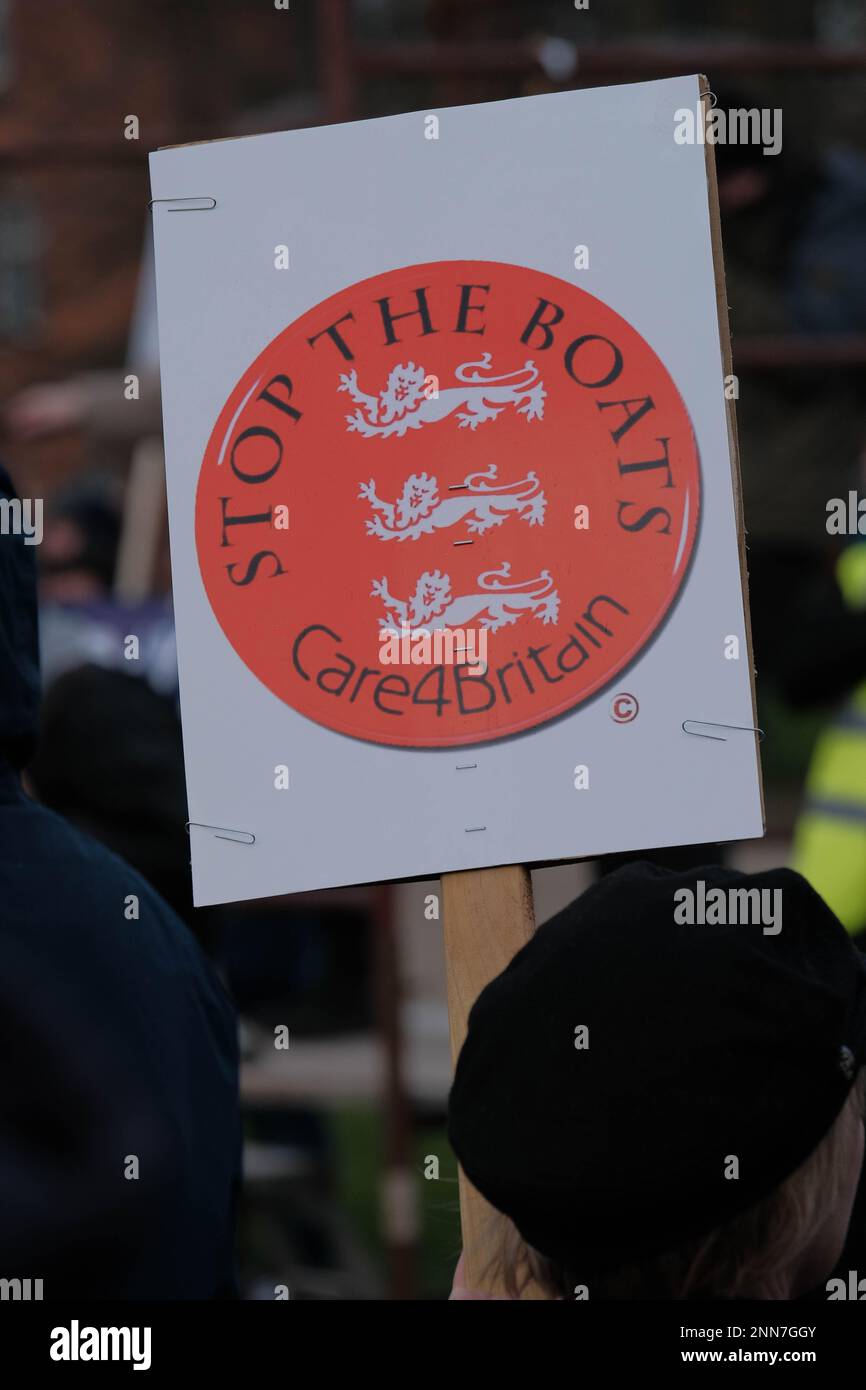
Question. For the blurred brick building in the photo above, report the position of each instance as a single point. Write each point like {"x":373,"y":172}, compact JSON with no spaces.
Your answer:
{"x":74,"y":189}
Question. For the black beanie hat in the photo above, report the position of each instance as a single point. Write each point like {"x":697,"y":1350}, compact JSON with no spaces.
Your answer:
{"x":703,"y":1043}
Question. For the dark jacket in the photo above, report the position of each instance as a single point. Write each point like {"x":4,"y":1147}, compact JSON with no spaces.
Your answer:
{"x":119,"y":1118}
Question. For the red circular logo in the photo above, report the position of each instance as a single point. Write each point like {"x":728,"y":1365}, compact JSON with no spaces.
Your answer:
{"x":449,"y":503}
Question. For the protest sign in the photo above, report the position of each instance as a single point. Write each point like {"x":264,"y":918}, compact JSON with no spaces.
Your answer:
{"x":452,"y":491}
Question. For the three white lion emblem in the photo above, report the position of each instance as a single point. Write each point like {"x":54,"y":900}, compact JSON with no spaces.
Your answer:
{"x":484,"y":504}
{"x":406,"y":403}
{"x":496,"y":603}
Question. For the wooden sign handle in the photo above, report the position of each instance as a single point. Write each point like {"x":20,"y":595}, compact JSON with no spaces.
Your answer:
{"x":487,"y":915}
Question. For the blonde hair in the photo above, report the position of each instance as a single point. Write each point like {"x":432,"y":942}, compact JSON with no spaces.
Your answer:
{"x":746,"y":1258}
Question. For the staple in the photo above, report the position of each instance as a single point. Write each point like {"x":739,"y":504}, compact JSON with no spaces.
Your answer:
{"x":716,"y":724}
{"x":205,"y":198}
{"x":238,"y":837}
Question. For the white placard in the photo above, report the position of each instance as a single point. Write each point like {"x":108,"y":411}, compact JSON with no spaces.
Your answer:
{"x":452,"y":372}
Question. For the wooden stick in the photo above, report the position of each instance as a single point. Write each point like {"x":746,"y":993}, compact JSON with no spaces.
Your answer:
{"x":143,"y":519}
{"x":487,"y":916}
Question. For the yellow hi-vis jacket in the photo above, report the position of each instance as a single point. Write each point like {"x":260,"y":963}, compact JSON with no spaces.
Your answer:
{"x":830,"y":837}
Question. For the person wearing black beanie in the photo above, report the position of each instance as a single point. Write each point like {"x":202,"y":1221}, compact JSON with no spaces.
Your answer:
{"x":662,"y":1095}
